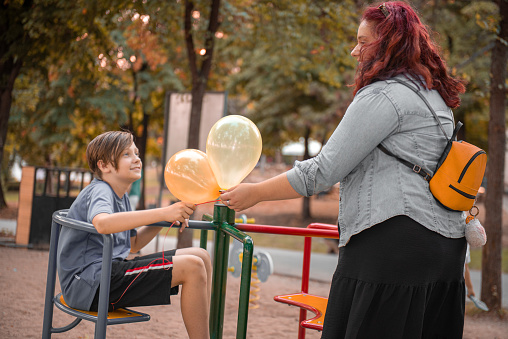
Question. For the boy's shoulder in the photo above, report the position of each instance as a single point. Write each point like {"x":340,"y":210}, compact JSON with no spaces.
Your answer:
{"x":94,"y":185}
{"x":98,"y":195}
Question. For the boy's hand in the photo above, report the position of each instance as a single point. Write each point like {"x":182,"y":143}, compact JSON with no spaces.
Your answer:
{"x":179,"y":213}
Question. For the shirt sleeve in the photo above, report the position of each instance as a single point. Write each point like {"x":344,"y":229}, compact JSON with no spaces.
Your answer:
{"x":369,"y":119}
{"x":100,"y":201}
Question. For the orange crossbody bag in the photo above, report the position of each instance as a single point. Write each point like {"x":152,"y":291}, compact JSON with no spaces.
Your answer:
{"x":459,"y":171}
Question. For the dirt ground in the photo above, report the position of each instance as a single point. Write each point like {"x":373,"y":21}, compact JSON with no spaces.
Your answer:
{"x":23,"y":280}
{"x":22,"y":287}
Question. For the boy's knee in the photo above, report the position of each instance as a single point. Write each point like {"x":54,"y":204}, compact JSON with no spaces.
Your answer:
{"x":203,"y":254}
{"x":195,"y":265}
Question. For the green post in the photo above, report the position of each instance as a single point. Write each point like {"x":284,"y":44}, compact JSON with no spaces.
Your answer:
{"x":243,"y":307}
{"x":243,"y":304}
{"x":222,"y":214}
{"x":203,"y":240}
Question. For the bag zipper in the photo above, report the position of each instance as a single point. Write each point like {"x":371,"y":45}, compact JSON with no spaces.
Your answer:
{"x":469,"y":164}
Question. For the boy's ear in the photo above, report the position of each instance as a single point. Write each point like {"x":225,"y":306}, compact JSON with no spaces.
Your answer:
{"x":104,"y":168}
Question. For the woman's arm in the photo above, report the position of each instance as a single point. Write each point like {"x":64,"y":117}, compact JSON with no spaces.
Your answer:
{"x":244,"y":196}
{"x":367,"y":122}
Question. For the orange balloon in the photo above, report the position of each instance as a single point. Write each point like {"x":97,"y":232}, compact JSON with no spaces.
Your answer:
{"x":189,"y":177}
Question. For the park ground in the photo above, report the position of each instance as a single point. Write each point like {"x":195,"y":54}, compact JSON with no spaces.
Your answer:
{"x":23,"y":277}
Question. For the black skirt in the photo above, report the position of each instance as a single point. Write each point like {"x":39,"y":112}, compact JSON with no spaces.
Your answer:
{"x":398,"y":279}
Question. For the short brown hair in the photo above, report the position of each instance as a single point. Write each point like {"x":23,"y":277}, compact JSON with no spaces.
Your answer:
{"x":107,"y":147}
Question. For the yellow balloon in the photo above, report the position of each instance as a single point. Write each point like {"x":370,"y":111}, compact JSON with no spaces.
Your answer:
{"x":233,"y":148}
{"x":189,"y":177}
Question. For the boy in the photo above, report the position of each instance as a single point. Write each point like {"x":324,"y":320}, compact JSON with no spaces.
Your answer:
{"x":113,"y":158}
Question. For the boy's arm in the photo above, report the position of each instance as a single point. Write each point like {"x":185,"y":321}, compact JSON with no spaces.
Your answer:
{"x":144,"y":235}
{"x":106,"y":223}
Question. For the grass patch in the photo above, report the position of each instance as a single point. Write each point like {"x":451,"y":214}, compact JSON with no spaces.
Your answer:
{"x":11,"y":196}
{"x":287,"y":242}
{"x":476,"y":259}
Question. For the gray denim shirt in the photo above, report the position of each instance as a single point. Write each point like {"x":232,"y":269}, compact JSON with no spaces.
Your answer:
{"x":374,"y":186}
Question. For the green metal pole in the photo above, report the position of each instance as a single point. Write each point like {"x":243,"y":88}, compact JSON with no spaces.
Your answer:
{"x":222,"y":214}
{"x":203,"y":239}
{"x":243,"y":304}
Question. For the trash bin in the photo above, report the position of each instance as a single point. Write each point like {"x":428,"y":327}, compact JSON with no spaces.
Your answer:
{"x":44,"y":190}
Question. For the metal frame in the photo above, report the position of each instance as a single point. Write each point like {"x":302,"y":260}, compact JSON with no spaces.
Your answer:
{"x":101,"y":321}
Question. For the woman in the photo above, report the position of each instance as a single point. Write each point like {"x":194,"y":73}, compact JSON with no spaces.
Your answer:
{"x":400,"y":269}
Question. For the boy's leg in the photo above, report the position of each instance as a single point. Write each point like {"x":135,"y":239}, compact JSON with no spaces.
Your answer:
{"x":203,"y":254}
{"x":141,"y":281}
{"x":189,"y":270}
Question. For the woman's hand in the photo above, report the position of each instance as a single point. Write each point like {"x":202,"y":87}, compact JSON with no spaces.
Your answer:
{"x":241,"y":197}
{"x":244,"y":196}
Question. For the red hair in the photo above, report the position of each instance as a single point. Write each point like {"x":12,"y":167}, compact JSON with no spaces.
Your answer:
{"x":403,"y":46}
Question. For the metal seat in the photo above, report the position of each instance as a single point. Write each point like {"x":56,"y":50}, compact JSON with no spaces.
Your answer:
{"x":101,"y":318}
{"x":313,"y":303}
{"x":304,"y":300}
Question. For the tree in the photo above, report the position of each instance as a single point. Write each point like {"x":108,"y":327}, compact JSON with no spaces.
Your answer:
{"x":41,"y":39}
{"x":292,"y":61}
{"x":491,"y":254}
{"x":199,"y":74}
{"x":110,"y":73}
{"x":11,"y":61}
{"x":147,"y":71}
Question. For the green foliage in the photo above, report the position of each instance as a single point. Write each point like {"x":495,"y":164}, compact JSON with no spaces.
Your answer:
{"x":81,"y":80}
{"x":285,"y":63}
{"x":291,"y":59}
{"x":466,"y":32}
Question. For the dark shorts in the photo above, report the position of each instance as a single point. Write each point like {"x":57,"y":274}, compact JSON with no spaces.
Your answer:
{"x":142,"y":281}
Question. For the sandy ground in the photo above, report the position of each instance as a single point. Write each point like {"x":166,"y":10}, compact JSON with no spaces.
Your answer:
{"x":23,"y":280}
{"x":22,"y":288}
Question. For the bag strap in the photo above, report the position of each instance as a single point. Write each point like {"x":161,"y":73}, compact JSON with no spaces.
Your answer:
{"x":426,"y":102}
{"x":416,"y":168}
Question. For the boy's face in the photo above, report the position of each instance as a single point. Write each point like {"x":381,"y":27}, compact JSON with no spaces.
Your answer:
{"x":129,"y":165}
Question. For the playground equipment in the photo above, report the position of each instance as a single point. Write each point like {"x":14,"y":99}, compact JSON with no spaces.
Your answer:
{"x":262,"y":268}
{"x":304,"y":300}
{"x":243,"y":219}
{"x":101,"y":318}
{"x":223,"y":223}
{"x":225,"y":228}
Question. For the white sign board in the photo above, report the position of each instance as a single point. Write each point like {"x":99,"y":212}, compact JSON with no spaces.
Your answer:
{"x":177,"y":120}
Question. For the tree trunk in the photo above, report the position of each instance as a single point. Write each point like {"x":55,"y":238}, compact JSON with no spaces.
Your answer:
{"x":306,"y":200}
{"x":9,"y":71}
{"x":185,"y":237}
{"x":491,"y":291}
{"x":143,"y":138}
{"x":199,"y":83}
